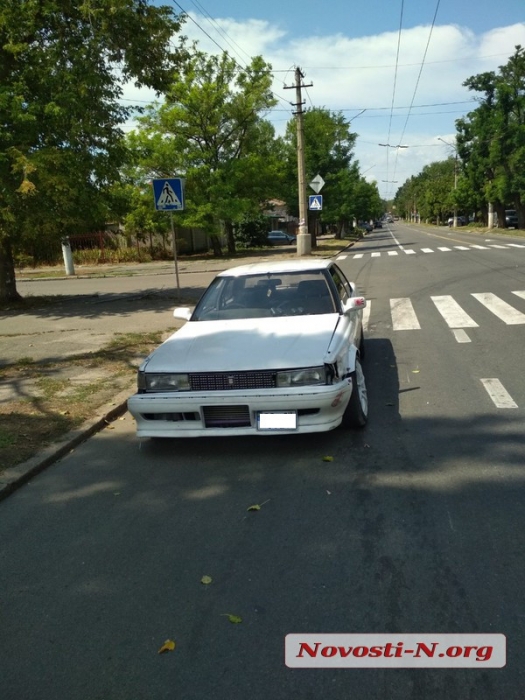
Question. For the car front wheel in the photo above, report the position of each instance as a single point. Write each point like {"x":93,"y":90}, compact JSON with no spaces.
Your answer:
{"x":356,"y":413}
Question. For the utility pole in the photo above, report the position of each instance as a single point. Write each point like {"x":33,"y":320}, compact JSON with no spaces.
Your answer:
{"x":304,"y":241}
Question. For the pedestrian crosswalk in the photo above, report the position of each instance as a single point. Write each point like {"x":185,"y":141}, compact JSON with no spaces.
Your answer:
{"x":427,"y":251}
{"x":405,"y":316}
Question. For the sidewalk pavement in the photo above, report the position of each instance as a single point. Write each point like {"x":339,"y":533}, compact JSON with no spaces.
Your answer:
{"x":72,"y":325}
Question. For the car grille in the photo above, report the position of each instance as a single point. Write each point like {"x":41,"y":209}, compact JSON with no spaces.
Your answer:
{"x":220,"y":381}
{"x":226,"y":416}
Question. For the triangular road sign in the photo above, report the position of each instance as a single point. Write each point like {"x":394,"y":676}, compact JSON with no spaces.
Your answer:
{"x":168,"y":197}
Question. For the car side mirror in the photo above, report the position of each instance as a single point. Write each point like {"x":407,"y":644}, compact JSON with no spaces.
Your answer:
{"x":183,"y":312}
{"x":354,"y":303}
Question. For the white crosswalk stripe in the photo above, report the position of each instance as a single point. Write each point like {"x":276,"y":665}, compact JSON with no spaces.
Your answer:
{"x":507,"y":313}
{"x":403,"y":315}
{"x":452,"y":312}
{"x":499,"y":395}
{"x":442,"y":249}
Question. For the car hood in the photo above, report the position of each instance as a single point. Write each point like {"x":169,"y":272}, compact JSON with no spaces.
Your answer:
{"x":244,"y":344}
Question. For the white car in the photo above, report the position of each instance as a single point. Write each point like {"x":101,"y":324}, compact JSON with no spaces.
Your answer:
{"x":271,"y":347}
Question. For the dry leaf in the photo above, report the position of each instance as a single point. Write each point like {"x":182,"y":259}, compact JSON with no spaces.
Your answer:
{"x":415,"y":371}
{"x":328,"y":459}
{"x":206,"y":579}
{"x":234,"y":619}
{"x":329,"y":493}
{"x":168,"y":645}
{"x":256,"y":506}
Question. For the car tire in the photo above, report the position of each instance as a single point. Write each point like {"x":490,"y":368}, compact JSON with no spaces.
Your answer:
{"x":356,"y":413}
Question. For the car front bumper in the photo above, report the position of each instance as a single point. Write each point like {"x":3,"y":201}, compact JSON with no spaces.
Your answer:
{"x":192,"y":414}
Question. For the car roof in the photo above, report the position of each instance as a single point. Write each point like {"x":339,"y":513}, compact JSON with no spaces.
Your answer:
{"x":277,"y":267}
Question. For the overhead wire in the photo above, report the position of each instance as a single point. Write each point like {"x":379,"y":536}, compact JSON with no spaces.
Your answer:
{"x":417,"y":82}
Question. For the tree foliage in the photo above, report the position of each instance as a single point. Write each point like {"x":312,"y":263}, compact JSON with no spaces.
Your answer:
{"x":62,"y":69}
{"x":210,"y":131}
{"x":328,"y":146}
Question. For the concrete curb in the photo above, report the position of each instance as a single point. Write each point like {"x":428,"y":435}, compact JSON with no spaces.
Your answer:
{"x":15,"y":477}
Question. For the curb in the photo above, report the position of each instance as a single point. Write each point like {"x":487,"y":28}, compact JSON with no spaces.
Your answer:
{"x":15,"y":477}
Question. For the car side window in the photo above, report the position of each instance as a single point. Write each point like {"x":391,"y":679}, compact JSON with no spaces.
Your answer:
{"x":342,"y":286}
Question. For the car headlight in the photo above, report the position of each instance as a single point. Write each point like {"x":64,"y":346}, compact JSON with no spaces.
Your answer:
{"x":310,"y":376}
{"x":166,"y":382}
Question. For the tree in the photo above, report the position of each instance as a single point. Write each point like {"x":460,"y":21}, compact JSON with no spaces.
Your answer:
{"x":209,"y":130}
{"x":328,"y":145}
{"x":491,"y":138}
{"x":62,"y":70}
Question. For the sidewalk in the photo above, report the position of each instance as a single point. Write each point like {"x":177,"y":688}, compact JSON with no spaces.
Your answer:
{"x":50,"y":346}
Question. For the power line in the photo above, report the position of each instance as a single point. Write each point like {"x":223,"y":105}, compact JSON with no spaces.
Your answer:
{"x":395,"y":78}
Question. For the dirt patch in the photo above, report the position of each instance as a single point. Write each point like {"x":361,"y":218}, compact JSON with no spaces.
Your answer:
{"x":40,"y":402}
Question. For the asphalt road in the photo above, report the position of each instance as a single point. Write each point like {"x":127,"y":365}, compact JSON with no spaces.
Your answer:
{"x":417,"y":525}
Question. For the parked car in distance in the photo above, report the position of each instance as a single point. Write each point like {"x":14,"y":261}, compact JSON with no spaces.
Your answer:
{"x":270,"y":347}
{"x":511,"y":218}
{"x":365,"y":225}
{"x":461,"y":221}
{"x":280,"y":238}
{"x":378,"y":224}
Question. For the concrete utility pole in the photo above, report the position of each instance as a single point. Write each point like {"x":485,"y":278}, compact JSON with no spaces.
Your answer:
{"x":304,"y":241}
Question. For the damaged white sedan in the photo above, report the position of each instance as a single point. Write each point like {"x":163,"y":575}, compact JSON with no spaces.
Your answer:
{"x":271,"y":347}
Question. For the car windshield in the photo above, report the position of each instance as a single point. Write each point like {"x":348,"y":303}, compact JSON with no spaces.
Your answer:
{"x":266,"y":295}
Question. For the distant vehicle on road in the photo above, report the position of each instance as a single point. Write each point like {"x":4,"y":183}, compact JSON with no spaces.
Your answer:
{"x":365,"y":225}
{"x":280,"y":238}
{"x":461,"y":221}
{"x":511,"y":218}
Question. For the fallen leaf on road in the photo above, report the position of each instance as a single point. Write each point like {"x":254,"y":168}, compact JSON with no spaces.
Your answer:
{"x":234,"y":619}
{"x":328,"y":459}
{"x":256,"y":506}
{"x":415,"y":371}
{"x":206,"y":579}
{"x":329,"y":493}
{"x":168,"y":645}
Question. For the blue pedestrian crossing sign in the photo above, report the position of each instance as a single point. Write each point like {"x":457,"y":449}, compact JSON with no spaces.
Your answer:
{"x":315,"y":202}
{"x":169,"y":194}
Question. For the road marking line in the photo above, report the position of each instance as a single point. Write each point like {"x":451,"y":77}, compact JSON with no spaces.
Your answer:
{"x":461,"y":247}
{"x":342,"y":257}
{"x":366,"y":315}
{"x":507,"y":313}
{"x":499,"y":395}
{"x":359,"y":255}
{"x":403,"y":315}
{"x":427,"y":250}
{"x":520,"y":294}
{"x":452,"y":312}
{"x":495,"y":245}
{"x":461,"y":335}
{"x":376,"y":255}
{"x":479,"y":247}
{"x":444,"y":248}
{"x":410,"y":252}
{"x":393,"y":252}
{"x":516,"y":245}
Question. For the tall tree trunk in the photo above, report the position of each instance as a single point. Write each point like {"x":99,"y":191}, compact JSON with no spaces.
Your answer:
{"x":228,"y":225}
{"x":7,"y":273}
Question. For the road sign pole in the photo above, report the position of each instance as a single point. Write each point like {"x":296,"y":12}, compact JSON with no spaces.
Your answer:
{"x":175,"y":251}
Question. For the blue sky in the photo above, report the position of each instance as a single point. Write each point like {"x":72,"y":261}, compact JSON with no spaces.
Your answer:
{"x":398,"y":88}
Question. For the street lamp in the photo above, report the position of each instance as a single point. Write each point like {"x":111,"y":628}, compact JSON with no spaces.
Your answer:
{"x":451,"y":145}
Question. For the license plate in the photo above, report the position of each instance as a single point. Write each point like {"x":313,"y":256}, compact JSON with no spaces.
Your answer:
{"x":277,"y":420}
